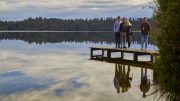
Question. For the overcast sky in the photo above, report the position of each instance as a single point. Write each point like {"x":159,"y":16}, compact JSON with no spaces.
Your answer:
{"x":71,"y":9}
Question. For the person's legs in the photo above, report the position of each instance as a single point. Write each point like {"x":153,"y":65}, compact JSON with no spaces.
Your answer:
{"x":128,"y":39}
{"x":127,"y":75}
{"x":145,"y":74}
{"x":115,"y":67}
{"x":142,"y":40}
{"x":141,"y":74}
{"x":124,"y":72}
{"x":146,"y":40}
{"x":124,"y":38}
{"x":119,"y":67}
{"x":119,"y":40}
{"x":115,"y":70}
{"x":116,"y":38}
{"x":120,"y":70}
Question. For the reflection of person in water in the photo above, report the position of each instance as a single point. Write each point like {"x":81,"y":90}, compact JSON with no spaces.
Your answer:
{"x":125,"y":79}
{"x":145,"y":83}
{"x":116,"y":78}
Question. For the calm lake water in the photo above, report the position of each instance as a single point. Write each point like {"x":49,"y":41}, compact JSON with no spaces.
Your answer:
{"x":57,"y":67}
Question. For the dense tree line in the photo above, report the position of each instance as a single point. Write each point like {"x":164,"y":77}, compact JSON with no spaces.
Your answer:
{"x":55,"y":24}
{"x":39,"y":38}
{"x":167,"y":37}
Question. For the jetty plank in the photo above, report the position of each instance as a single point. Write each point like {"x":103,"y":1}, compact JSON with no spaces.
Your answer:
{"x":113,"y":49}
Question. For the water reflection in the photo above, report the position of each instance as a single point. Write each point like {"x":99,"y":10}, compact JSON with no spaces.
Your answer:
{"x":117,"y":78}
{"x":145,"y":83}
{"x":59,"y":37}
{"x":62,"y":72}
{"x":138,"y":64}
{"x":160,"y":94}
{"x":122,"y":79}
{"x":125,"y":79}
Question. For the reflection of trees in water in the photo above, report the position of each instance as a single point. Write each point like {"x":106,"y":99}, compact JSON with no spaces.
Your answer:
{"x":161,"y":94}
{"x":77,"y":37}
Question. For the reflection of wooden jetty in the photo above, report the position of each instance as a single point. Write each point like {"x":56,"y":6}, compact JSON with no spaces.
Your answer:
{"x":124,"y":62}
{"x":136,"y":52}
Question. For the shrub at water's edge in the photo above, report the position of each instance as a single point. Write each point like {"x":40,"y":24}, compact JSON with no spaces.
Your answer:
{"x":167,"y":37}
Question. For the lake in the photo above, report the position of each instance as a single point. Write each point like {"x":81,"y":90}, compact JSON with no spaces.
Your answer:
{"x":56,"y":66}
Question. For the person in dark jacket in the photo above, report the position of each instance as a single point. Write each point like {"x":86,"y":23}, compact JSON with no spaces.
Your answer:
{"x":128,"y":30}
{"x":123,"y":32}
{"x":145,"y":30}
{"x":125,"y":78}
{"x":145,"y":83}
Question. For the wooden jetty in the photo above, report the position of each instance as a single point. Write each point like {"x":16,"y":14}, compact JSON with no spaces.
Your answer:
{"x":124,"y":62}
{"x":136,"y":52}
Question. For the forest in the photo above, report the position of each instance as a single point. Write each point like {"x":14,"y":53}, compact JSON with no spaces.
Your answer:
{"x":58,"y":24}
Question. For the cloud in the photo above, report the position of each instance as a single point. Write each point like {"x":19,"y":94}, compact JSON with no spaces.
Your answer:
{"x":18,"y":9}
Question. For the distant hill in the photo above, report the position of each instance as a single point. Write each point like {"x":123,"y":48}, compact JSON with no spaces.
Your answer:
{"x":54,"y":24}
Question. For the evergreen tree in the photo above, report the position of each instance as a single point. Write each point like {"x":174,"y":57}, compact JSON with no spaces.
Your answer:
{"x":167,"y":37}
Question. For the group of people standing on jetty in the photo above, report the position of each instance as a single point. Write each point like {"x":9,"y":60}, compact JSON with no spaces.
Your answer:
{"x":123,"y":30}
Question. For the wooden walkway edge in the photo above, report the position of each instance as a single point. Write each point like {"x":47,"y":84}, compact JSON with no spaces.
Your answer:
{"x":136,"y":52}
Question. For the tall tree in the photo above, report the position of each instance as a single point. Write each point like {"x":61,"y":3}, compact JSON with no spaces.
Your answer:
{"x":167,"y":37}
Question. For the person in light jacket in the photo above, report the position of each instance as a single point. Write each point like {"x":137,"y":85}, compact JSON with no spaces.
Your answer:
{"x":117,"y":32}
{"x":116,"y":78}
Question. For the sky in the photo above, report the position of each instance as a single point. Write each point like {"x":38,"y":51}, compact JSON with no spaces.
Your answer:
{"x":15,"y":10}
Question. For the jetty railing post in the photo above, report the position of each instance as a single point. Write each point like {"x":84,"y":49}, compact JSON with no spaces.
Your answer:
{"x":108,"y":54}
{"x":102,"y":53}
{"x":135,"y":56}
{"x":91,"y":53}
{"x":152,"y":58}
{"x":122,"y":55}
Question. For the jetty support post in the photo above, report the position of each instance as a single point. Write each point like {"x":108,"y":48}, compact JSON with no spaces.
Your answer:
{"x":152,"y":58}
{"x":108,"y":54}
{"x":135,"y":56}
{"x":91,"y":53}
{"x":102,"y":53}
{"x":122,"y":55}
